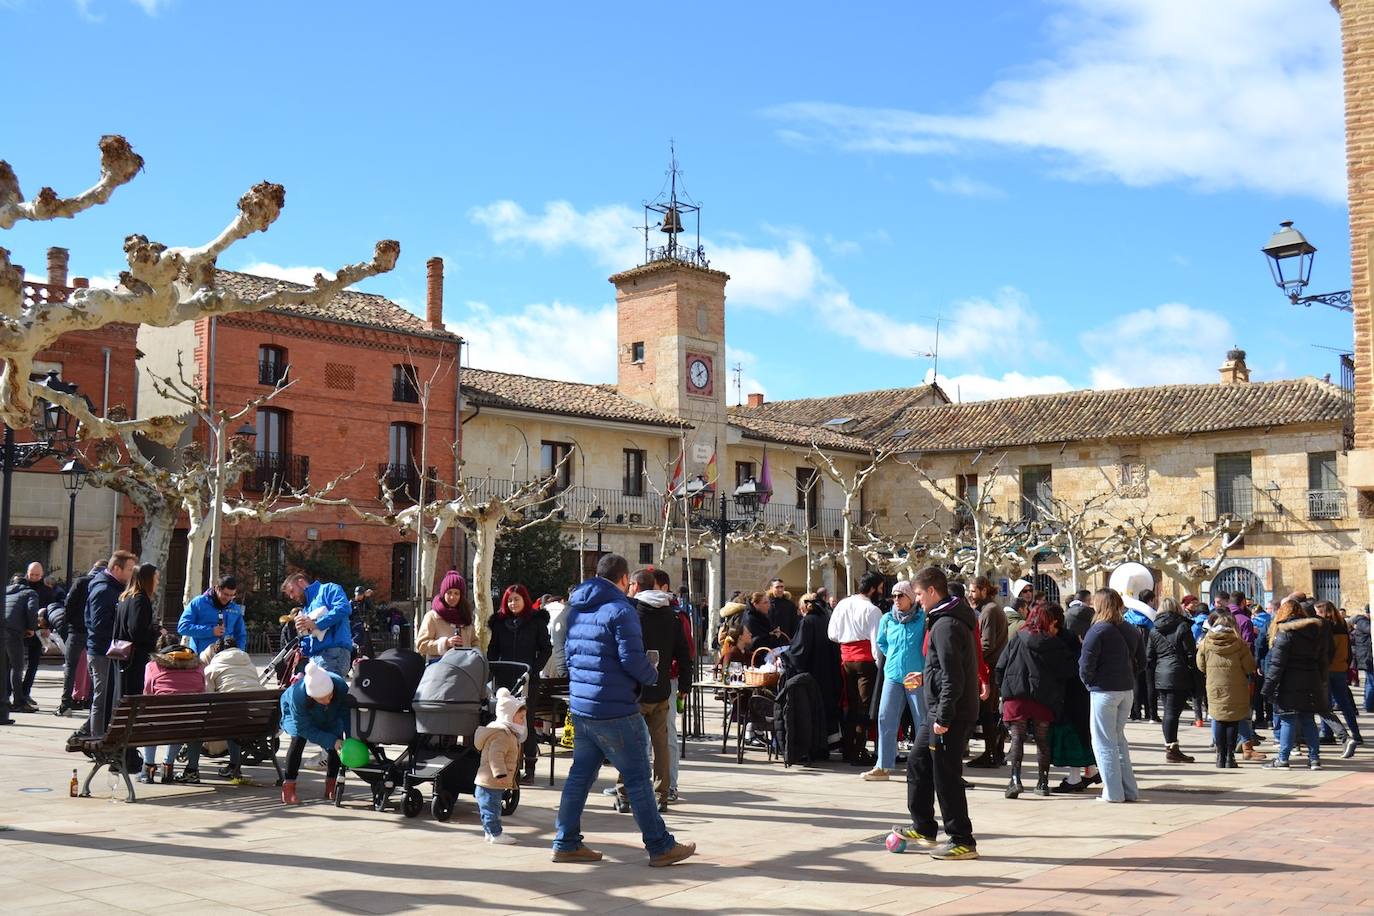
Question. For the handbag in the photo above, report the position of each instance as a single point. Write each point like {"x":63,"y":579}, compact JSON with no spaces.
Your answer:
{"x":120,"y":650}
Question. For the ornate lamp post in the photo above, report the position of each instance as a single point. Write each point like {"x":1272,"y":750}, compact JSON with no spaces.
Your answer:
{"x":1290,"y":261}
{"x":73,"y":479}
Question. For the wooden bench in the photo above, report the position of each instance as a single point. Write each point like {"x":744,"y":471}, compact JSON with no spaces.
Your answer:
{"x":181,"y":718}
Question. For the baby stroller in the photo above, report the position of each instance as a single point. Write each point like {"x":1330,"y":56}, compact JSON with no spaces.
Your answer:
{"x":382,"y":716}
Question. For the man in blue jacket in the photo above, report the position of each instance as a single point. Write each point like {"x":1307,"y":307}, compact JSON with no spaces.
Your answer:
{"x":607,"y":667}
{"x":213,"y":615}
{"x":321,"y":618}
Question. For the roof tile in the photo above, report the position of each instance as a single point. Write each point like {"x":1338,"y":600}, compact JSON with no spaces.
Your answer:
{"x":525,"y":392}
{"x":349,"y":306}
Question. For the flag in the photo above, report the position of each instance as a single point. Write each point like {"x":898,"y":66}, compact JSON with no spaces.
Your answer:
{"x":674,"y":484}
{"x":764,"y":484}
{"x":712,"y":472}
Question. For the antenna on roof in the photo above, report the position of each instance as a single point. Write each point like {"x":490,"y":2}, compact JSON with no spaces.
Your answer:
{"x":933,"y":354}
{"x":738,"y":371}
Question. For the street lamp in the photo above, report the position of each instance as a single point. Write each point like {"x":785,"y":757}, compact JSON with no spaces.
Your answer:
{"x":1290,"y":262}
{"x":73,"y":479}
{"x":599,"y":514}
{"x":746,"y":497}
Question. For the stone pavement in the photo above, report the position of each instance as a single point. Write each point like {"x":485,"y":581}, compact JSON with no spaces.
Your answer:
{"x":771,"y":840}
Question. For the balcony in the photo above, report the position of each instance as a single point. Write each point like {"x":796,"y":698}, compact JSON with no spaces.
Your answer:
{"x":278,"y":472}
{"x":1247,"y":504}
{"x":271,"y":372}
{"x":404,"y":390}
{"x":403,"y":480}
{"x":1325,"y":504}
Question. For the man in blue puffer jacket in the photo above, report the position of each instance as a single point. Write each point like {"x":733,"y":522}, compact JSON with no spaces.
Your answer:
{"x":607,"y":667}
{"x":214,"y":615}
{"x":321,"y":618}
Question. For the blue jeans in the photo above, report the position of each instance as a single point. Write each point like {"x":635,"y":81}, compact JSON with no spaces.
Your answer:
{"x":192,"y":756}
{"x":1369,"y":691}
{"x":489,"y":807}
{"x":1110,"y":710}
{"x":625,"y":743}
{"x":890,"y":718}
{"x":1289,"y":724}
{"x":1343,"y":701}
{"x":674,"y":745}
{"x":337,"y":660}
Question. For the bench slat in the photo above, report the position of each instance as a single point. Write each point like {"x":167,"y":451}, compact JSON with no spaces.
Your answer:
{"x":190,"y":717}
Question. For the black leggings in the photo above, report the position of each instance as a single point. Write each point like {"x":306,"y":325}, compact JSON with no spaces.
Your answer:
{"x":1228,"y":733}
{"x":1018,"y":742}
{"x":1172,"y":701}
{"x":293,"y":760}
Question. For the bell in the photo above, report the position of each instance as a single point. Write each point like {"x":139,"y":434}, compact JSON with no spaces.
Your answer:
{"x":672,"y":223}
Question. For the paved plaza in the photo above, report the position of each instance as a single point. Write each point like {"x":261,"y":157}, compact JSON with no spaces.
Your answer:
{"x":774,"y":840}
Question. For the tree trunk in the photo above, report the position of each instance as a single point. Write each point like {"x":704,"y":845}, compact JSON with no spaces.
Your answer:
{"x":487,"y":531}
{"x":712,"y":597}
{"x":845,"y":544}
{"x":197,"y":539}
{"x":156,"y":535}
{"x":429,"y":562}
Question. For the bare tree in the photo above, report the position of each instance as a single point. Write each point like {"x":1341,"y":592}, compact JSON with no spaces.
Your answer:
{"x":852,"y":485}
{"x":162,"y":287}
{"x":1191,"y":551}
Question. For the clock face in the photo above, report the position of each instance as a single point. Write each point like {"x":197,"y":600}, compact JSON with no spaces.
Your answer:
{"x":699,"y":373}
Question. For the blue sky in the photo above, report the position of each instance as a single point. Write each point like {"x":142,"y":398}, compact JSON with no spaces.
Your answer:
{"x":1079,"y":187}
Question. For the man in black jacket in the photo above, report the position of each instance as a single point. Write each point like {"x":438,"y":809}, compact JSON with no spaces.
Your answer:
{"x":662,"y":634}
{"x":935,"y":765}
{"x":101,"y":598}
{"x":20,"y":623}
{"x":782,"y":613}
{"x":73,"y":633}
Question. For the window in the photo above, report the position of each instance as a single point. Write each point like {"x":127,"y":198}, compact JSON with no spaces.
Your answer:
{"x":554,"y":461}
{"x":272,"y":428}
{"x":1325,"y":496}
{"x":25,"y":549}
{"x":1235,"y":485}
{"x":345,"y":553}
{"x":699,"y":577}
{"x":1037,"y":489}
{"x":276,"y":468}
{"x":1326,"y":585}
{"x":744,"y":470}
{"x":808,"y":495}
{"x":401,"y":447}
{"x":646,"y":554}
{"x":402,"y":570}
{"x":405,"y":387}
{"x":966,"y":488}
{"x":271,"y":365}
{"x":637,"y":351}
{"x":634,"y":472}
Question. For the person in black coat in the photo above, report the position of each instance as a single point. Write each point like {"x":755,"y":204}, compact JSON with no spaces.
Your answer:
{"x":1171,"y":659}
{"x":1364,"y":655}
{"x":812,"y":651}
{"x":761,"y":630}
{"x":1034,"y":671}
{"x":21,"y":622}
{"x":519,"y":633}
{"x":782,"y":613}
{"x":1296,"y":682}
{"x":136,"y":622}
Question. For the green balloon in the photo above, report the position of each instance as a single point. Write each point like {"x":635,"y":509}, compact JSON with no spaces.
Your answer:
{"x":354,"y":753}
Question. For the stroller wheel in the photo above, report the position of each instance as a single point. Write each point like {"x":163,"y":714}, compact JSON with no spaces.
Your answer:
{"x":413,"y":803}
{"x":339,"y":792}
{"x":379,"y":799}
{"x":510,"y":800}
{"x":442,"y":806}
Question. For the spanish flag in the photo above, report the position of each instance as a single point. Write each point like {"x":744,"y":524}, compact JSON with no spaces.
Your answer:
{"x":712,"y":472}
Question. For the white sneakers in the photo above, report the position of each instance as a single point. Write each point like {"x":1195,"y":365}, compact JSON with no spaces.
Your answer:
{"x":877,"y":774}
{"x":501,"y":839}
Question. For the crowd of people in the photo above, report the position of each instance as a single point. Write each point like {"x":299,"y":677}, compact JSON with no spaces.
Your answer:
{"x":926,"y":665}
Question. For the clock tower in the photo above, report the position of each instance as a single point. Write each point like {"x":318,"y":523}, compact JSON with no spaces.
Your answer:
{"x":670,"y":341}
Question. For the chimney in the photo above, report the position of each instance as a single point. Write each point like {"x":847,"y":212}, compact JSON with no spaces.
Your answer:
{"x":57,"y":267}
{"x":756,"y":399}
{"x":434,"y":298}
{"x":81,"y":283}
{"x":1234,"y":371}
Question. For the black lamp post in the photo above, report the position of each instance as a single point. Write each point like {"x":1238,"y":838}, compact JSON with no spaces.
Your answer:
{"x":52,"y":436}
{"x":73,"y":479}
{"x":1290,"y":261}
{"x":599,"y":514}
{"x":746,"y":498}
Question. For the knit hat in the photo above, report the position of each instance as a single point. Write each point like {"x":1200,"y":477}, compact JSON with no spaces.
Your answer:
{"x":904,"y":587}
{"x":318,"y":683}
{"x":507,"y":705}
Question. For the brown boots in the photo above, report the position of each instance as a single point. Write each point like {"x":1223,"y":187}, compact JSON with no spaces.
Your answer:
{"x":1249,"y":752}
{"x":288,"y":793}
{"x":1173,"y":755}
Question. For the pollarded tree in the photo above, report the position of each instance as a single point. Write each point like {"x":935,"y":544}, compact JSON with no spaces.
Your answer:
{"x":162,"y":287}
{"x":852,"y":486}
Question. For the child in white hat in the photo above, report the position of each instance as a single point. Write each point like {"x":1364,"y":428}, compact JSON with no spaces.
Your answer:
{"x":314,"y":709}
{"x":500,"y":744}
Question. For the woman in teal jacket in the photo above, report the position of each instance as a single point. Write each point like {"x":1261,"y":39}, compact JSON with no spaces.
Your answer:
{"x":900,"y":644}
{"x":314,"y":709}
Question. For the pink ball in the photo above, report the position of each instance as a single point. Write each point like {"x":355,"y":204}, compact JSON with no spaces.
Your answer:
{"x":896,"y":842}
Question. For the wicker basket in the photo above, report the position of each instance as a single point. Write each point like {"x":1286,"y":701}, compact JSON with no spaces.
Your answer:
{"x":756,"y":678}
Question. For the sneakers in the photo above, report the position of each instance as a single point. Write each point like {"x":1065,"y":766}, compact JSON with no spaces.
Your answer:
{"x":983,"y":761}
{"x":1349,"y":751}
{"x":673,"y":797}
{"x":954,"y":851}
{"x":911,"y":835}
{"x":1198,"y":723}
{"x":241,"y":780}
{"x":877,"y":774}
{"x":189,"y":777}
{"x":1068,"y":788}
{"x":1314,"y":764}
{"x":501,"y":839}
{"x":1276,"y":764}
{"x":580,"y":854}
{"x":679,"y":852}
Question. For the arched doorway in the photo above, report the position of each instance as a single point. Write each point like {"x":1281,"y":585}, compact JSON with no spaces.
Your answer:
{"x":793,"y":575}
{"x":1238,"y":579}
{"x":1044,"y":582}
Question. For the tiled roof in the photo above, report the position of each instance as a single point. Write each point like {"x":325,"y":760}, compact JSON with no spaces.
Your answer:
{"x":865,"y":413}
{"x":769,"y":430}
{"x":1125,"y":413}
{"x":349,"y":306}
{"x":575,"y":399}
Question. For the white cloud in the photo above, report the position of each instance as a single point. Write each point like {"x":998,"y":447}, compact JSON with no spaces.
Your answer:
{"x":974,"y":387}
{"x":964,"y":186}
{"x":749,"y":382}
{"x":292,"y":274}
{"x":535,"y":341}
{"x":608,"y":233}
{"x":767,"y":278}
{"x":1169,"y":344}
{"x":1223,"y":94}
{"x":152,"y":7}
